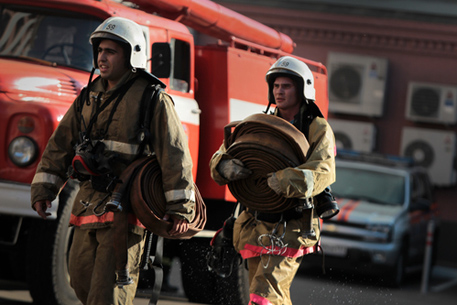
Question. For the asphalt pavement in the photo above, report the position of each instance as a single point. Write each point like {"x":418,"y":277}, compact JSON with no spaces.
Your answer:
{"x":333,"y":288}
{"x":310,"y":287}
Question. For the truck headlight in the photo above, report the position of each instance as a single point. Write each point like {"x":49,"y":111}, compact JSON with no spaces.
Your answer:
{"x":23,"y":151}
{"x":379,"y":232}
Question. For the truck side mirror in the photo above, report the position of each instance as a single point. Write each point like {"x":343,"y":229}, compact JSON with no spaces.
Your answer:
{"x":420,"y":204}
{"x":161,"y":59}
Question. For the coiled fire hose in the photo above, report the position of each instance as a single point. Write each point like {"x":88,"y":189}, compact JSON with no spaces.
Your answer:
{"x":265,"y":144}
{"x":140,"y":190}
{"x":149,"y":204}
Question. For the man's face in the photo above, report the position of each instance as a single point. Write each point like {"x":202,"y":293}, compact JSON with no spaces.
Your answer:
{"x":285,"y":93}
{"x":111,"y":62}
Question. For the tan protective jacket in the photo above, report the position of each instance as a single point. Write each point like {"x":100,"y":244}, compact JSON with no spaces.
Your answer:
{"x":306,"y":180}
{"x":169,"y":144}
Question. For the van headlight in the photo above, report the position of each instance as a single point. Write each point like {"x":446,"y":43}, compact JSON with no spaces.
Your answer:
{"x":379,"y":233}
{"x":23,"y":151}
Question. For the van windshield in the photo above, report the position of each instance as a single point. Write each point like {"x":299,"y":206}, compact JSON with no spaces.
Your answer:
{"x":49,"y":35}
{"x":373,"y":186}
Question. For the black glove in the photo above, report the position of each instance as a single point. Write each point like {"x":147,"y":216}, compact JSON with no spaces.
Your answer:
{"x":233,"y":169}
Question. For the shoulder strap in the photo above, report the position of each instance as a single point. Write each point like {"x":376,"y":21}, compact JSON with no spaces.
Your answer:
{"x":307,"y":117}
{"x":148,"y":103}
{"x":118,"y":95}
{"x":82,"y":99}
{"x":85,"y":99}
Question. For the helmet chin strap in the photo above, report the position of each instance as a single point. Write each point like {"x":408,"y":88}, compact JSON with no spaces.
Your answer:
{"x":306,"y":101}
{"x":88,"y":86}
{"x":268,"y":108}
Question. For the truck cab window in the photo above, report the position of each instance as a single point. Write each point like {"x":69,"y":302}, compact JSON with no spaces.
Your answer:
{"x":56,"y":38}
{"x":180,"y":70}
{"x":172,"y":60}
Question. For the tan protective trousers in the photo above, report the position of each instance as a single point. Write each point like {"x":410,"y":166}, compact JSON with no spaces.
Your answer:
{"x":270,"y":278}
{"x":92,"y":267}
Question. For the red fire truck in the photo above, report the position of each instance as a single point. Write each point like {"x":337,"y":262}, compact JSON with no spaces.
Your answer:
{"x":213,"y":61}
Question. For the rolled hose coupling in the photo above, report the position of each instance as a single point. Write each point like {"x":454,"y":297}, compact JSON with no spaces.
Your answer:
{"x":114,"y":204}
{"x":123,"y":278}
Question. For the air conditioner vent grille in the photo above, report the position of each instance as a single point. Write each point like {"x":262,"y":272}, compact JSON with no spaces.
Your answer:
{"x":421,"y":152}
{"x":426,"y":102}
{"x":356,"y":84}
{"x":430,"y":102}
{"x":346,"y":82}
{"x":433,"y":149}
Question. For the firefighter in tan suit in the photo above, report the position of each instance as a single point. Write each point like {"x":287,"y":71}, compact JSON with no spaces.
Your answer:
{"x":272,"y":269}
{"x":97,"y":139}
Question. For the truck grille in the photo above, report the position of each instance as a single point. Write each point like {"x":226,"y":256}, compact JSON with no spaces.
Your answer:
{"x":66,"y":86}
{"x":356,"y":232}
{"x":343,"y":230}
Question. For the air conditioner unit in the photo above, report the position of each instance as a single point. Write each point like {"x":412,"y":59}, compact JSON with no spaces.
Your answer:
{"x":356,"y":84}
{"x":360,"y":136}
{"x":434,"y":150}
{"x":432,"y":103}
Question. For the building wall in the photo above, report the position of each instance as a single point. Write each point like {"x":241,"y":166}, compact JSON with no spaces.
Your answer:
{"x":418,"y":51}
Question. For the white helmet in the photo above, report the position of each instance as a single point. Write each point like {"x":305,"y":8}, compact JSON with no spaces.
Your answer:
{"x":126,"y":31}
{"x":290,"y":66}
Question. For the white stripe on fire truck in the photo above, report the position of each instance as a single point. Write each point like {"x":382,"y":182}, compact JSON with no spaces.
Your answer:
{"x":187,"y":109}
{"x":240,"y":109}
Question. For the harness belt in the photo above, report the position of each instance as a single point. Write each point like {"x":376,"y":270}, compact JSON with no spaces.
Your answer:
{"x":276,"y":217}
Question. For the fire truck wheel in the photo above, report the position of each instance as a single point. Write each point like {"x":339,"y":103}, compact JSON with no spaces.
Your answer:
{"x":203,"y":286}
{"x":47,"y":256}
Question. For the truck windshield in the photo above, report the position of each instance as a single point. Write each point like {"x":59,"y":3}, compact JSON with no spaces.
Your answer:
{"x":373,"y":186}
{"x":47,"y":35}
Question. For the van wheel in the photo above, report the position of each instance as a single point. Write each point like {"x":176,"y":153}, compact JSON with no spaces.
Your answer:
{"x":47,"y":255}
{"x":203,"y":286}
{"x":396,"y":275}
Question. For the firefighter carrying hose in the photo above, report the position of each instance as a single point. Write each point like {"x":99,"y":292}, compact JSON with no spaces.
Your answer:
{"x":99,"y":136}
{"x":274,"y":243}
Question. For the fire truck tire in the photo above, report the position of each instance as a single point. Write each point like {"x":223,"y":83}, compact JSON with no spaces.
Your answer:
{"x":47,"y":255}
{"x":203,"y":286}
